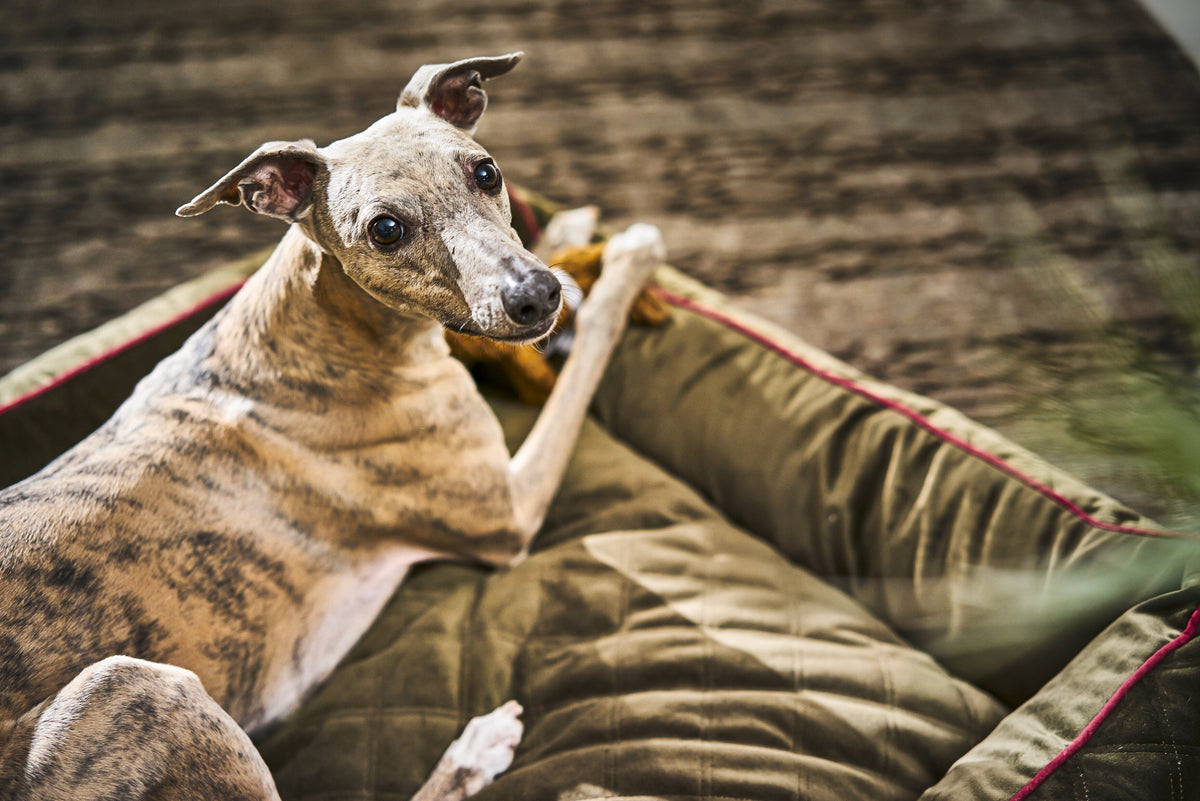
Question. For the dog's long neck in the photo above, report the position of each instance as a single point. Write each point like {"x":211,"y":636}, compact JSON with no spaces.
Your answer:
{"x":355,"y":397}
{"x":301,"y":332}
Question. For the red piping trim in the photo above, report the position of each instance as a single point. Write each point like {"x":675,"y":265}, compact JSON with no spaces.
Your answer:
{"x":216,"y":298}
{"x":527,"y":216}
{"x":1189,"y":631}
{"x":1158,"y":656}
{"x":847,"y":384}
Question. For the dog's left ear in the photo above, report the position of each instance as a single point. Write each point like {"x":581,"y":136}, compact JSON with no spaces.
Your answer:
{"x":276,"y":180}
{"x":454,"y":92}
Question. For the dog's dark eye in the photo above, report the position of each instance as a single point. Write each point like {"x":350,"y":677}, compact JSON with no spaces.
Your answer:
{"x":487,"y":176}
{"x":386,"y":230}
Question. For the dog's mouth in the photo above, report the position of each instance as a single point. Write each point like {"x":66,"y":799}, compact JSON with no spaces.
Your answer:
{"x":522,"y":336}
{"x":529,"y":334}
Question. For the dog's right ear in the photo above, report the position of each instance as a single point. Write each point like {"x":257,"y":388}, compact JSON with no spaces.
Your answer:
{"x":454,"y":92}
{"x":276,"y":180}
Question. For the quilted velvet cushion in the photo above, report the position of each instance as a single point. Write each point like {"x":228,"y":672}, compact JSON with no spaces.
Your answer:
{"x":997,"y":564}
{"x":659,"y":651}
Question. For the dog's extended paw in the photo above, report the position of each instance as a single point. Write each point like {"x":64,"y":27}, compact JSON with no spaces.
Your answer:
{"x":628,"y":261}
{"x":634,"y":253}
{"x":485,"y":748}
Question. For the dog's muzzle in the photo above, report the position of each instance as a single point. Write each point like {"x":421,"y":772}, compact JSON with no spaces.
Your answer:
{"x":531,"y":297}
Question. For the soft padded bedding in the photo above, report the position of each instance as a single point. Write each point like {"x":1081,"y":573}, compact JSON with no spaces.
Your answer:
{"x":1011,"y":573}
{"x":658,"y":650}
{"x":766,"y":576}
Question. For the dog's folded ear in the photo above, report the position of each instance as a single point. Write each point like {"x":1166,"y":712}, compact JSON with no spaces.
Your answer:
{"x":454,"y":92}
{"x":275,"y":180}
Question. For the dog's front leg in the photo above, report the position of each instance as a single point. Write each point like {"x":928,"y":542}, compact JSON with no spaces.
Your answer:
{"x":630,"y":258}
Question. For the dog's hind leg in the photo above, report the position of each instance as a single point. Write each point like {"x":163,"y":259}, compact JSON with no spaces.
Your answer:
{"x":127,"y":728}
{"x":130,"y":729}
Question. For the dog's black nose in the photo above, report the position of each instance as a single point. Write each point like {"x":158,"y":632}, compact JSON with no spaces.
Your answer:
{"x":531,"y":297}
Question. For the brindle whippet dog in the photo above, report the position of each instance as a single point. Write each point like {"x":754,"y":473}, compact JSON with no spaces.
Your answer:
{"x":188,"y":572}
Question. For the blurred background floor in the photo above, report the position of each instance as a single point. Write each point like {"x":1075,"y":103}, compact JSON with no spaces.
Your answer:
{"x":992,"y":202}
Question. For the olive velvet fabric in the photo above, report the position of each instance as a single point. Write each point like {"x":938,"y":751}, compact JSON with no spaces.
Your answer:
{"x":658,"y":651}
{"x":998,"y":564}
{"x":766,"y":576}
{"x":1013,"y":574}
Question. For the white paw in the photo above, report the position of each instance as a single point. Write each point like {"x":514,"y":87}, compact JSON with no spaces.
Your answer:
{"x":634,"y":254}
{"x":485,"y":748}
{"x":642,"y":237}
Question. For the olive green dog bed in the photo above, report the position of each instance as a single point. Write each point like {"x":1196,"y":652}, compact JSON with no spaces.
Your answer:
{"x":766,"y":577}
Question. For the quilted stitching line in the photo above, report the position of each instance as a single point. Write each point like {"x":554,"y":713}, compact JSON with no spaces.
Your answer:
{"x":373,"y":714}
{"x":707,"y":769}
{"x":381,"y":711}
{"x":797,"y":683}
{"x":729,"y":690}
{"x":1177,"y":773}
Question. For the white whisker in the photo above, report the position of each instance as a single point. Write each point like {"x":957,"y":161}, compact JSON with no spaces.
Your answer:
{"x":572,"y":293}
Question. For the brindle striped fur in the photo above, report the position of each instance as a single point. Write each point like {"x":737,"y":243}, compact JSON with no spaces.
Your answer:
{"x":248,"y":511}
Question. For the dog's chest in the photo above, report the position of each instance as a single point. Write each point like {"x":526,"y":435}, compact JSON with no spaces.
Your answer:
{"x":428,"y":467}
{"x":432,"y":483}
{"x":338,"y":610}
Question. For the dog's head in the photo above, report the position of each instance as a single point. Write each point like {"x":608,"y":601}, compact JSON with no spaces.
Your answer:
{"x":413,"y":208}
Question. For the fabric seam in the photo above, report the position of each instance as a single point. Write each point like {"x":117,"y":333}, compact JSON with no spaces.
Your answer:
{"x":850,"y":385}
{"x":1081,"y":739}
{"x":1189,"y":631}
